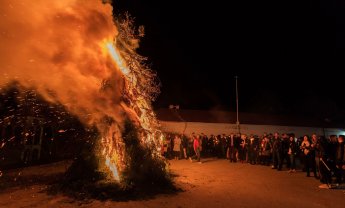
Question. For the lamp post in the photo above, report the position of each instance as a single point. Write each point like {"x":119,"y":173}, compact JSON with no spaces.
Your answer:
{"x":175,"y":109}
{"x":237,"y":120}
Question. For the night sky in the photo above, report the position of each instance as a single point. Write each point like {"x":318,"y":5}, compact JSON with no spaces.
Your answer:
{"x":197,"y":47}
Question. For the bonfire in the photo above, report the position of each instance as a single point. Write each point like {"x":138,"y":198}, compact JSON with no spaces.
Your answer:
{"x":80,"y":55}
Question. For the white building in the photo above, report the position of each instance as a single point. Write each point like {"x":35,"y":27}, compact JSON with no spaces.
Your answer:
{"x":222,"y":122}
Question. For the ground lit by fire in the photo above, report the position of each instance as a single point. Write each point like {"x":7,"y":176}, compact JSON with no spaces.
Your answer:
{"x":215,"y":183}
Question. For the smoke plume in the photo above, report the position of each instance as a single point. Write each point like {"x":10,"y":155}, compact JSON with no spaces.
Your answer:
{"x":56,"y":48}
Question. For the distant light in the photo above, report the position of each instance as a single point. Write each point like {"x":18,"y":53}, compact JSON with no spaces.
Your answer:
{"x":177,"y":107}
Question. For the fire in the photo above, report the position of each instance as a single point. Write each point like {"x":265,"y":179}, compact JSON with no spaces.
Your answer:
{"x":75,"y":49}
{"x":116,"y":57}
{"x":137,"y":101}
{"x":112,"y":167}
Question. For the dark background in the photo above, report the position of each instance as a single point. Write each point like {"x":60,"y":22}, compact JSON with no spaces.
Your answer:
{"x":288,"y":55}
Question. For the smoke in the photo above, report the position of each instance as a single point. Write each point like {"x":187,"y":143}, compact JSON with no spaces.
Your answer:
{"x":57,"y":46}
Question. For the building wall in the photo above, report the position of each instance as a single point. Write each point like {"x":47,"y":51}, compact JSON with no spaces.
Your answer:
{"x":226,"y":128}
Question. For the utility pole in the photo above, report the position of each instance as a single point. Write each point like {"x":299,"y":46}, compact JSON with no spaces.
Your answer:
{"x":175,"y":109}
{"x":237,"y":120}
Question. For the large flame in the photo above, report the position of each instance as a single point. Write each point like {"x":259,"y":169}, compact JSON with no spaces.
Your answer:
{"x":55,"y":45}
{"x":73,"y":47}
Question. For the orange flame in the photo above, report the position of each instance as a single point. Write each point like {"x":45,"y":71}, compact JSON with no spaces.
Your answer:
{"x":60,"y":46}
{"x":116,"y":57}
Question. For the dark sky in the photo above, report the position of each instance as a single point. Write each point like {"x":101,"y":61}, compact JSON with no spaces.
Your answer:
{"x":197,"y":47}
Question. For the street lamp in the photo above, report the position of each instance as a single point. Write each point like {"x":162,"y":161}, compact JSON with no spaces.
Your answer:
{"x":237,"y":120}
{"x":175,"y":109}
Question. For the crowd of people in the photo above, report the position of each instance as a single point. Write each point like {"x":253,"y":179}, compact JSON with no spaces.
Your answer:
{"x":322,"y":157}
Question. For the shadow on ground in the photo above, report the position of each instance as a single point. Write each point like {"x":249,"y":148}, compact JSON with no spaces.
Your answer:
{"x":207,"y":160}
{"x":53,"y":182}
{"x":104,"y":190}
{"x":11,"y":182}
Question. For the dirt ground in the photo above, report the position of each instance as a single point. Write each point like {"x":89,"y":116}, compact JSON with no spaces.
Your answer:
{"x":214,"y":183}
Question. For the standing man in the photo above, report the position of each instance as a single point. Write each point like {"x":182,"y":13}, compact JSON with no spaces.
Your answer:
{"x":277,"y":152}
{"x":340,"y":159}
{"x":197,"y":148}
{"x":231,"y":148}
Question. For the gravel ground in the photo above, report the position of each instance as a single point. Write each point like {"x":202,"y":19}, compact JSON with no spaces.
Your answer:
{"x":214,"y":183}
